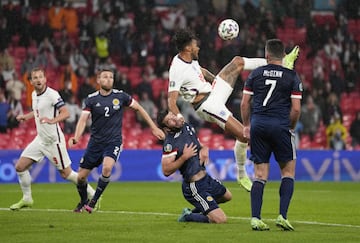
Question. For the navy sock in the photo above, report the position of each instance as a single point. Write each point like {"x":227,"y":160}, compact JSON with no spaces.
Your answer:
{"x":197,"y":217}
{"x":81,"y":187}
{"x":257,"y":191}
{"x":286,"y":191}
{"x":102,"y":183}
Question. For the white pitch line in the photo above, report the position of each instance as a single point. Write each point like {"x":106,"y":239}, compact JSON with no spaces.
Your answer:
{"x":172,"y":214}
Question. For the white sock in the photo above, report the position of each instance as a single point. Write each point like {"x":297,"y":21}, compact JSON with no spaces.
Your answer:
{"x":25,"y":184}
{"x":252,"y":63}
{"x":73,"y":177}
{"x":240,"y":157}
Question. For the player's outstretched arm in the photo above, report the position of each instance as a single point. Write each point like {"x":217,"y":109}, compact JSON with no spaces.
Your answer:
{"x":25,"y":117}
{"x":80,"y":127}
{"x":157,"y":132}
{"x":172,"y":98}
{"x":63,"y":115}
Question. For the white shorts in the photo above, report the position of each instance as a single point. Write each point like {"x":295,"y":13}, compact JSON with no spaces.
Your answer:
{"x":213,"y":109}
{"x":56,"y":153}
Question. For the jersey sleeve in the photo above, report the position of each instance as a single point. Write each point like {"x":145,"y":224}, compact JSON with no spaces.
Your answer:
{"x":297,"y":88}
{"x":86,"y":106}
{"x":127,"y":99}
{"x":56,"y":100}
{"x":248,"y":88}
{"x":175,"y":79}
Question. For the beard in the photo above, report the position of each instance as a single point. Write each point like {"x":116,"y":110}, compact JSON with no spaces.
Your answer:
{"x":175,"y":129}
{"x":194,"y":56}
{"x":106,"y":88}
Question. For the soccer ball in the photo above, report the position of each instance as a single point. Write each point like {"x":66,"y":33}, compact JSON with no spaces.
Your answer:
{"x":228,"y":29}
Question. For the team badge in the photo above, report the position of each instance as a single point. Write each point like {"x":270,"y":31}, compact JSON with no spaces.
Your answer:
{"x":301,"y":87}
{"x":209,"y":198}
{"x":116,"y":104}
{"x":168,"y":148}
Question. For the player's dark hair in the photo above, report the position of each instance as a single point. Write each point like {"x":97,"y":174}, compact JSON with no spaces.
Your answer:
{"x":104,"y":70}
{"x":275,"y":48}
{"x":182,"y":38}
{"x":160,"y":118}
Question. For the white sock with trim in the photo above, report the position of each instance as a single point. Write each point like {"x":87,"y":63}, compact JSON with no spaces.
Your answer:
{"x":252,"y":63}
{"x":25,"y":184}
{"x":240,"y":157}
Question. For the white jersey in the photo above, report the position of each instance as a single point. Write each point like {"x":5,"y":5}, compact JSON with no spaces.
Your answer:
{"x":187,"y":78}
{"x":47,"y":105}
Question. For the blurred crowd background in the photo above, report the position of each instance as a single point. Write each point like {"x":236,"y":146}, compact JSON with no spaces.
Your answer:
{"x":74,"y":39}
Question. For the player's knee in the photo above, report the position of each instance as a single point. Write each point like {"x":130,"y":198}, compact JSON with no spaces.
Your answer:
{"x":81,"y":178}
{"x":238,"y":61}
{"x":220,"y":219}
{"x":217,"y":216}
{"x":19,"y":168}
{"x":228,"y":196}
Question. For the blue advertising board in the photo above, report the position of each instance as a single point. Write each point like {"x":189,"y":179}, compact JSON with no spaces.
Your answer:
{"x":145,"y":165}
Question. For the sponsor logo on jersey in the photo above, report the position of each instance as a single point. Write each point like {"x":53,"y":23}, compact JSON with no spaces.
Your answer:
{"x":116,"y":104}
{"x":97,"y":104}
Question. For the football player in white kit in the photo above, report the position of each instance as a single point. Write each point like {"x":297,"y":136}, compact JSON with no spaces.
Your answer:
{"x":208,"y":93}
{"x":48,"y":110}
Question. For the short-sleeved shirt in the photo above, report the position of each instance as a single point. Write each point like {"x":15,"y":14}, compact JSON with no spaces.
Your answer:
{"x":174,"y":144}
{"x":106,"y":115}
{"x":272,"y":88}
{"x":50,"y":141}
{"x":47,"y":105}
{"x":187,"y":78}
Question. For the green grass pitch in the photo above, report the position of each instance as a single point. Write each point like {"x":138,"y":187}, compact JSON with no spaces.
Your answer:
{"x":148,"y":211}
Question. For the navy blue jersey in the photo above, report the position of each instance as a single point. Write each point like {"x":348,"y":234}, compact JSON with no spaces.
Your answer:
{"x":174,"y":145}
{"x":106,"y":115}
{"x":272,"y":87}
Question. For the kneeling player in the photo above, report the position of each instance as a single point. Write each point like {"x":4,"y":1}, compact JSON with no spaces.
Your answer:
{"x":183,"y":151}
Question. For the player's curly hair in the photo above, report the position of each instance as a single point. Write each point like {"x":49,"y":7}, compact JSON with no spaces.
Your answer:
{"x":182,"y":38}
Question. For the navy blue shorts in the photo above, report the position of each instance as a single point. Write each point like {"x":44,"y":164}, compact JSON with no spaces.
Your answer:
{"x":96,"y":152}
{"x":268,"y":138}
{"x":203,"y":193}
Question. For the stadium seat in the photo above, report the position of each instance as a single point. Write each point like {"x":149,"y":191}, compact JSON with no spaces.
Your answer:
{"x":158,"y":85}
{"x":15,"y":40}
{"x":353,"y":26}
{"x":123,"y":69}
{"x":229,"y":144}
{"x":289,"y":22}
{"x":20,"y":52}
